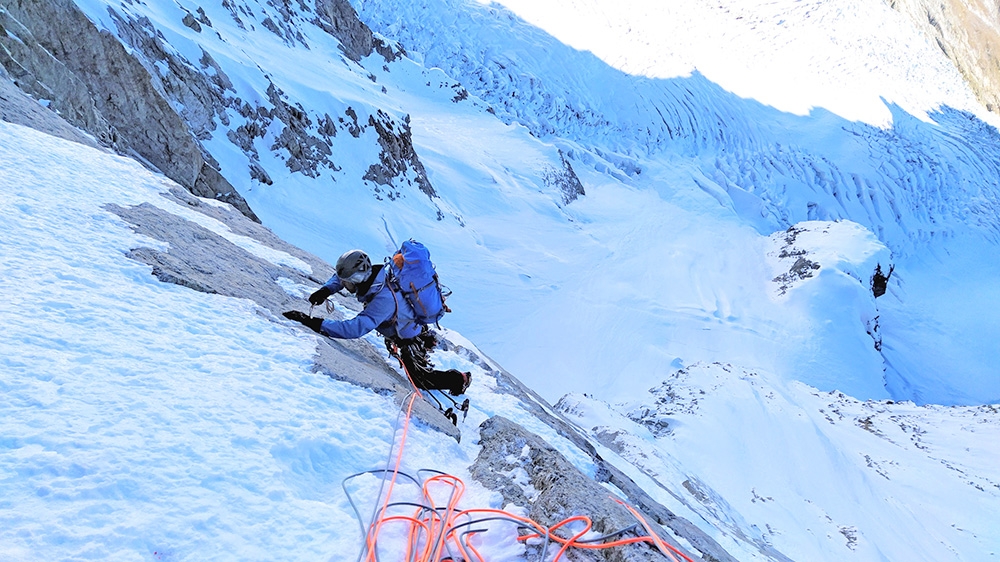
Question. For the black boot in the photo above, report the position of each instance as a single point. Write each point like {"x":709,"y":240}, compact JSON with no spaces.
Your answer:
{"x":462,"y":380}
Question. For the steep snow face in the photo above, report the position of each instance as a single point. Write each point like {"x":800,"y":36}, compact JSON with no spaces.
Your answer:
{"x":663,"y":261}
{"x":147,"y":420}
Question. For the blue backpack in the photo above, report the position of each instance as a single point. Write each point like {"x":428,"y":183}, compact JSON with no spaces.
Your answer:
{"x":412,"y":274}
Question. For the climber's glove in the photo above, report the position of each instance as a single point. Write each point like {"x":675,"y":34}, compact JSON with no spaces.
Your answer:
{"x":320,"y":296}
{"x":310,"y":322}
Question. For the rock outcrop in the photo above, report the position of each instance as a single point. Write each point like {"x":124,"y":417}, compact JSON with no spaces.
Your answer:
{"x":565,"y":180}
{"x":202,"y":260}
{"x":139,"y":95}
{"x":53,"y":52}
{"x":338,"y":18}
{"x":556,"y":489}
{"x":530,"y":473}
{"x":21,"y":109}
{"x":397,"y":155}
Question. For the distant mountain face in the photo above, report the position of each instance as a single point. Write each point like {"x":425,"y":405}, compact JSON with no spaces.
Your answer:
{"x":968,"y":32}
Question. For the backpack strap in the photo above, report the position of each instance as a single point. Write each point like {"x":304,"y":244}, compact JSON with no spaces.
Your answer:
{"x":395,"y":313}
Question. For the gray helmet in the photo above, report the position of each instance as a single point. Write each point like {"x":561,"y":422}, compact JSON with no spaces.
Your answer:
{"x":354,"y":266}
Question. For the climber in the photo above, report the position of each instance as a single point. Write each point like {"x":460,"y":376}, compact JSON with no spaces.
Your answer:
{"x":387,"y":310}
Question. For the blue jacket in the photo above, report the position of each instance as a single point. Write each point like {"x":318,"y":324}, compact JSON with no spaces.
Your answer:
{"x":385,"y":310}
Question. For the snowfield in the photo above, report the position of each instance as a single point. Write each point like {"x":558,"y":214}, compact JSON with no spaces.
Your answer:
{"x":705,"y":310}
{"x":816,"y":475}
{"x":144,"y":420}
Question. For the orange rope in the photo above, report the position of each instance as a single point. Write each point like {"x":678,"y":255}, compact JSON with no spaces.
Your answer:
{"x":664,"y":547}
{"x":372,"y":535}
{"x":436,"y":529}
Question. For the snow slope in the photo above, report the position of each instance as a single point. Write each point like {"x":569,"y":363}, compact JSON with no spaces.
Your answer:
{"x":142,"y":420}
{"x":819,"y":476}
{"x":692,"y":181}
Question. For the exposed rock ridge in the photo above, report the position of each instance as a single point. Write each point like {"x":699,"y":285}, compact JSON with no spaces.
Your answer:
{"x":92,"y":80}
{"x":138,"y":95}
{"x":202,"y":93}
{"x":339,"y":19}
{"x":397,"y":156}
{"x":35,"y":71}
{"x":536,"y":406}
{"x":556,"y":490}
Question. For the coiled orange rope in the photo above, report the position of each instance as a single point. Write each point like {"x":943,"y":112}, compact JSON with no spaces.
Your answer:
{"x":434,"y":531}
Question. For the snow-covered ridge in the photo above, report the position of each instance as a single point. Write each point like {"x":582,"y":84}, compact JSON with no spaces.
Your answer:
{"x":844,"y":246}
{"x":832,"y":468}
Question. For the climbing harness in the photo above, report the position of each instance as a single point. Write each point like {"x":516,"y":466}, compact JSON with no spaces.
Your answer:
{"x":450,"y":412}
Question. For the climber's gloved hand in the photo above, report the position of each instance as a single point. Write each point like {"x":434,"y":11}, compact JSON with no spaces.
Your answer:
{"x":320,"y":296}
{"x":310,"y":322}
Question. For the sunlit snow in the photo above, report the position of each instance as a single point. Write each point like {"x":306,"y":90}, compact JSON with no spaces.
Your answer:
{"x":140,"y":420}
